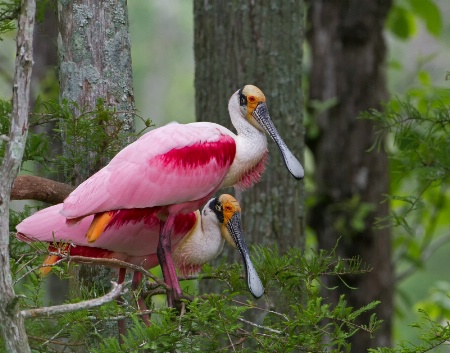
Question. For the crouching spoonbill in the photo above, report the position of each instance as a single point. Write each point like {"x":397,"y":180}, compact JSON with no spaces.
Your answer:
{"x":132,"y":236}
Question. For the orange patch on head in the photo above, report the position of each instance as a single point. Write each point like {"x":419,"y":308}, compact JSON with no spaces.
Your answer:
{"x":254,"y":97}
{"x":98,"y":225}
{"x":229,"y":207}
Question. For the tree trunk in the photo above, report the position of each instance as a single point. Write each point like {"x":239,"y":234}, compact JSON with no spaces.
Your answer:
{"x":95,"y":60}
{"x":95,"y":63}
{"x":238,"y":43}
{"x":12,"y":323}
{"x":260,"y":43}
{"x":348,"y":53}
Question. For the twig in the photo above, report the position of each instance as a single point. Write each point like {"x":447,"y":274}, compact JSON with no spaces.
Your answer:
{"x":262,"y":309}
{"x":121,"y":317}
{"x":118,"y":289}
{"x":52,"y":339}
{"x":105,"y":262}
{"x":182,"y":312}
{"x":59,"y":343}
{"x":261,"y":327}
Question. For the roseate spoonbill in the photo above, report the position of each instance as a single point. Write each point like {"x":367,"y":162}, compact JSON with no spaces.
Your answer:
{"x":132,"y":236}
{"x":177,"y":168}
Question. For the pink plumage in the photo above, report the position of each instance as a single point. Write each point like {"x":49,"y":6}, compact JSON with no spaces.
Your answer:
{"x":176,"y":167}
{"x":131,"y":235}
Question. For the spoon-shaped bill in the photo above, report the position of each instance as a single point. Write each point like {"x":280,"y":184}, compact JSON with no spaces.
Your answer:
{"x":261,"y":114}
{"x":254,"y":284}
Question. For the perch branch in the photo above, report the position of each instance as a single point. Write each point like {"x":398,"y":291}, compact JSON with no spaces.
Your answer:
{"x":29,"y":187}
{"x":118,"y":289}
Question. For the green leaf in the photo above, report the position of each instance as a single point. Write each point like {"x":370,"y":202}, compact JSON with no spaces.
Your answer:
{"x":401,"y":22}
{"x":429,"y":12}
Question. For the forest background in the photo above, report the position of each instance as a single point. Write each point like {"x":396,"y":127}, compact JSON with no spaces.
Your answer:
{"x":417,"y":61}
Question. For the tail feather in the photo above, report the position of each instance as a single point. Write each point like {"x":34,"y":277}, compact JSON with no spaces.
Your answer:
{"x":98,"y":225}
{"x":49,"y":260}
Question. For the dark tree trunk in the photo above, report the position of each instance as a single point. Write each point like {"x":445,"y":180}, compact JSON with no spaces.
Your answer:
{"x":260,"y":43}
{"x":238,"y":43}
{"x":348,"y":56}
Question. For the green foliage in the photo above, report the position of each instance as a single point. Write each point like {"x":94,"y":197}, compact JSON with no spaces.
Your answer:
{"x":416,"y":134}
{"x":434,"y":337}
{"x":5,"y":113}
{"x":437,"y":305}
{"x":293,"y":316}
{"x":420,"y":155}
{"x":90,"y":137}
{"x":9,"y":11}
{"x":402,"y":19}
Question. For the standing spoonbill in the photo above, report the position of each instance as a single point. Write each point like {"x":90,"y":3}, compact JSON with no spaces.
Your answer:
{"x":177,"y":168}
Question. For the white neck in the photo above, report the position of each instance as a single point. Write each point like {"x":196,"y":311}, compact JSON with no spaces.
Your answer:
{"x":251,"y":144}
{"x":203,"y":244}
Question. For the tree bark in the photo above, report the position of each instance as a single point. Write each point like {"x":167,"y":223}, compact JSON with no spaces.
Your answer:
{"x":260,"y":43}
{"x":95,"y":60}
{"x":238,"y":43}
{"x":347,"y":58}
{"x":95,"y":63}
{"x":12,"y":322}
{"x":29,"y":187}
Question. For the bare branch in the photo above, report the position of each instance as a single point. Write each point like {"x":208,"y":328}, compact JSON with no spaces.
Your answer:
{"x":29,"y":187}
{"x":260,"y":327}
{"x":118,"y":289}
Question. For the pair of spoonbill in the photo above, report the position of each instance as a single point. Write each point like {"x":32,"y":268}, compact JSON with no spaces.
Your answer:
{"x":174,"y":170}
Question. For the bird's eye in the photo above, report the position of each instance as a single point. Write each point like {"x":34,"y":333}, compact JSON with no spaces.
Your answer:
{"x":242,"y":99}
{"x":218,"y":208}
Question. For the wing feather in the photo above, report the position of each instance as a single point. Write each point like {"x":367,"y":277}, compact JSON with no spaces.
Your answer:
{"x":174,"y":164}
{"x":131,"y":232}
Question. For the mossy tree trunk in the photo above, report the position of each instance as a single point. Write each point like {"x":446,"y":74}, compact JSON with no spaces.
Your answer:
{"x":260,"y":43}
{"x":95,"y":63}
{"x":95,"y":60}
{"x":348,"y":58}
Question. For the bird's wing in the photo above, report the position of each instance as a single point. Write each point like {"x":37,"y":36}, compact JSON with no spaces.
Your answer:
{"x":48,"y":225}
{"x":131,"y":232}
{"x":173,"y":164}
